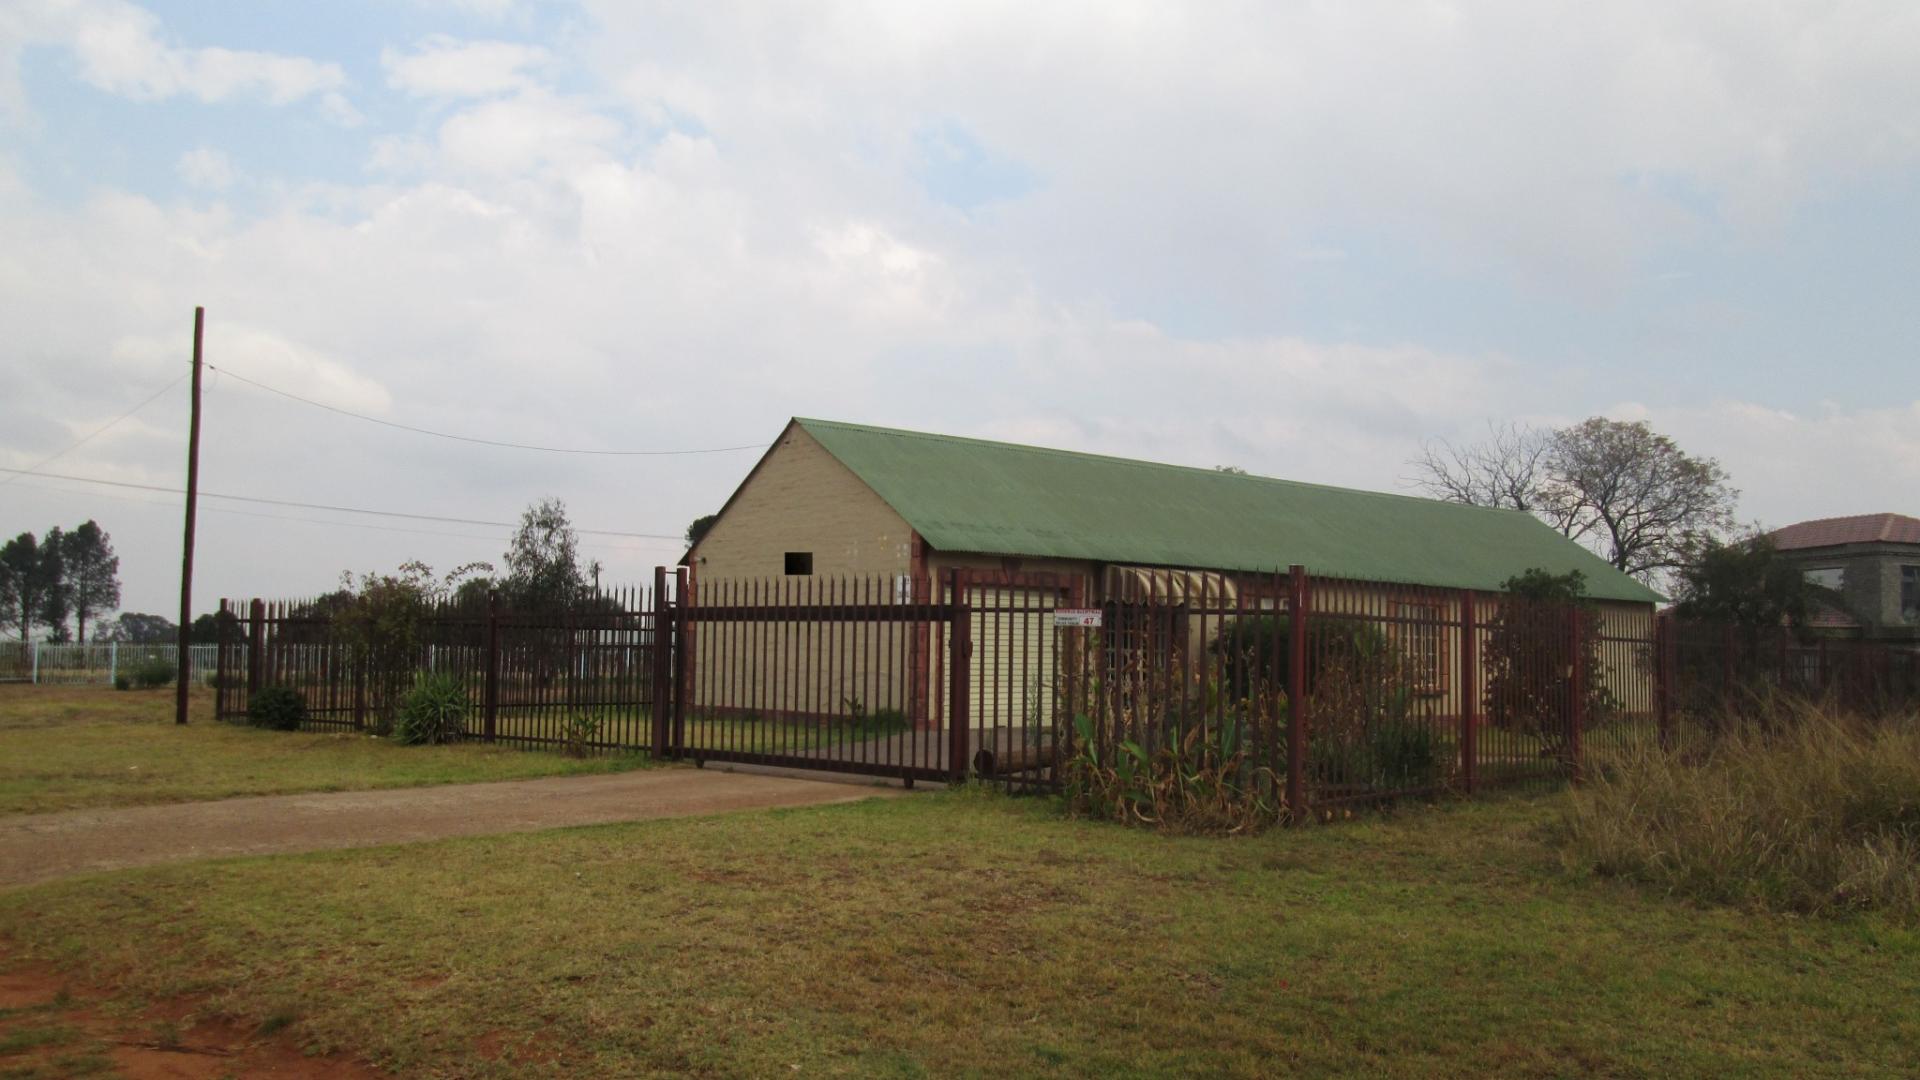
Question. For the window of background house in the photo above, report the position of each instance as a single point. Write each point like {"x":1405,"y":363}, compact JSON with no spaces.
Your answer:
{"x":1910,"y":593}
{"x":799,"y":563}
{"x":1827,"y":577}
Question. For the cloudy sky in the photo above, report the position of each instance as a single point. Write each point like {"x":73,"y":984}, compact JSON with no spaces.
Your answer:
{"x":1298,"y":238}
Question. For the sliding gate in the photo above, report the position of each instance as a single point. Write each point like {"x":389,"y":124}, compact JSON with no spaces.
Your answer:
{"x":882,"y":676}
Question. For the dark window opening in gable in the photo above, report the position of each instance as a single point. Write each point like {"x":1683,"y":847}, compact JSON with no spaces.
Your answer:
{"x":799,"y":563}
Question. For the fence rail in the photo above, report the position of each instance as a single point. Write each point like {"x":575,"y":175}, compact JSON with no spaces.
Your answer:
{"x":1325,"y":693}
{"x":97,"y":663}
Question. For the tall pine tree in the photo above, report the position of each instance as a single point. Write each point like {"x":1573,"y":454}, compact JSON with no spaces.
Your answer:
{"x":23,"y":584}
{"x":92,"y":573}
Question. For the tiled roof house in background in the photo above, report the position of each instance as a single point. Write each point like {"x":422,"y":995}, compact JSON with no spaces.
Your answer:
{"x":1872,"y":561}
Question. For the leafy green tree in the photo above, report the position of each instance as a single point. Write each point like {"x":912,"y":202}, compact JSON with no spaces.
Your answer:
{"x":543,"y":560}
{"x":1747,"y":583}
{"x":91,"y":573}
{"x":385,"y":629}
{"x":140,"y":629}
{"x":211,"y":629}
{"x":472,"y":595}
{"x":699,"y":528}
{"x":1646,"y":502}
{"x":1530,"y":655}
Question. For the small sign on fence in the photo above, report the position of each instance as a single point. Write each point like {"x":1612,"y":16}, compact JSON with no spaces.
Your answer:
{"x":1073,"y":616}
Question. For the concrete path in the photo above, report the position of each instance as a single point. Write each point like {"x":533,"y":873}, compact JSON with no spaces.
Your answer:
{"x":38,"y":847}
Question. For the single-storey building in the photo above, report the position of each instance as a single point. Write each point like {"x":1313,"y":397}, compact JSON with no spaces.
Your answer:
{"x":840,"y":501}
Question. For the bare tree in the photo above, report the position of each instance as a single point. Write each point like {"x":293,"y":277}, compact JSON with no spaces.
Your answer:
{"x":1511,"y":469}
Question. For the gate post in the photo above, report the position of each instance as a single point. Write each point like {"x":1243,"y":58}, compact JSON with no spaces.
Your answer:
{"x":1726,"y":666}
{"x":491,"y":688}
{"x":1576,"y":691}
{"x":960,"y":639}
{"x":1297,"y":718}
{"x":219,"y":661}
{"x":661,"y":640}
{"x":1663,"y":677}
{"x":1469,"y":692}
{"x":256,"y":644}
{"x":683,"y":646}
{"x":36,"y":663}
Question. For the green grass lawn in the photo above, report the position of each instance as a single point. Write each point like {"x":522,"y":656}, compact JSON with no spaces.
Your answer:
{"x":967,"y":934}
{"x":65,"y":748}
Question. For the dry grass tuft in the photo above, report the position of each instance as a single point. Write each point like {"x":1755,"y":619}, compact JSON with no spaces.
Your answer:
{"x":1800,"y":807}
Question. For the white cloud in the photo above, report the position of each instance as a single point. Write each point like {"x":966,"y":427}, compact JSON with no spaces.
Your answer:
{"x":340,"y":112}
{"x":120,"y":49}
{"x":740,"y":237}
{"x":441,"y":66}
{"x":487,"y":9}
{"x":203,"y":167}
{"x":1798,"y":465}
{"x":1533,"y":140}
{"x":123,"y":49}
{"x":532,"y":130}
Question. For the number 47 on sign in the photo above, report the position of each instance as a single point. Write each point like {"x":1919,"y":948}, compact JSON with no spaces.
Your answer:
{"x":1076,"y":617}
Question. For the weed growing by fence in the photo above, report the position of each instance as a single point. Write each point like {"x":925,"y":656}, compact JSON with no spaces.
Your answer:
{"x":433,"y":712}
{"x":583,"y":727}
{"x":1801,"y":808}
{"x":1175,"y":754}
{"x":1197,"y":780}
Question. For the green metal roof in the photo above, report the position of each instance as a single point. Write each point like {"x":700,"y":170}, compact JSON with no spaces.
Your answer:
{"x":969,"y":495}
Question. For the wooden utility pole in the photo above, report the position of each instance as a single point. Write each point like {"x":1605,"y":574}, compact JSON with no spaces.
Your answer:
{"x":186,"y":553}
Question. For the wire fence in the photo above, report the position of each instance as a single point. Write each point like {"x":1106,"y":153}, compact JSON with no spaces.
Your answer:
{"x":101,"y":663}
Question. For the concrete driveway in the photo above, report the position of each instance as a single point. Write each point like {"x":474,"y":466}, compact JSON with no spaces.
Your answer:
{"x":39,"y":847}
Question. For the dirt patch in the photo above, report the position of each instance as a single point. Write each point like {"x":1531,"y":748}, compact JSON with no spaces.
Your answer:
{"x":39,"y":847}
{"x":52,"y":1027}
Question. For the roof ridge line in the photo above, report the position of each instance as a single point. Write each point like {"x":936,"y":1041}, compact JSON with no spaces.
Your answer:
{"x":1143,"y":463}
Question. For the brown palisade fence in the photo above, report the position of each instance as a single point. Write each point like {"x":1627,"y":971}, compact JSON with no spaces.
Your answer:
{"x":1182,"y":698}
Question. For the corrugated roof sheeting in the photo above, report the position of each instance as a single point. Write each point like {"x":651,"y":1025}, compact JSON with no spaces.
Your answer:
{"x":999,"y":498}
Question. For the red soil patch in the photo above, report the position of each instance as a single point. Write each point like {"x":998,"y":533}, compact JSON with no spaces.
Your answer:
{"x":160,"y":1044}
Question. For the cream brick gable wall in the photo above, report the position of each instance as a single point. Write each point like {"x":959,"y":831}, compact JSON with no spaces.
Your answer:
{"x":801,"y":498}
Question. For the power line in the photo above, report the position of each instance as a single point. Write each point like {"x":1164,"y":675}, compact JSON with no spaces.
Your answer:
{"x":330,"y":508}
{"x":101,"y":430}
{"x":600,"y":545}
{"x":471,"y":439}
